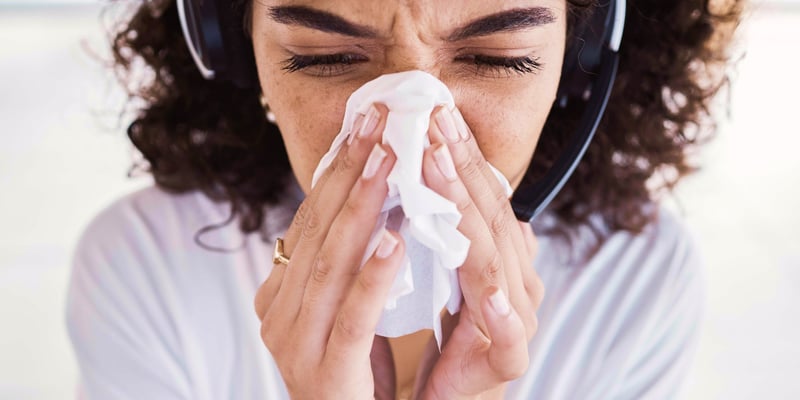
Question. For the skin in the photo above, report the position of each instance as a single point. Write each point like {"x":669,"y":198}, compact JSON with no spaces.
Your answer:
{"x":319,"y":313}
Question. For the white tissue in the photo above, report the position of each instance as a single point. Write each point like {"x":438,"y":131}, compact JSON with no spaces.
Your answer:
{"x":427,"y":281}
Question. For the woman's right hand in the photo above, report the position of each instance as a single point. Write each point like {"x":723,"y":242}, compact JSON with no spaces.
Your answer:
{"x":319,"y":313}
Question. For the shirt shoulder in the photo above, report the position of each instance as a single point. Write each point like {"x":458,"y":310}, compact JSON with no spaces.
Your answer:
{"x":159,"y":306}
{"x":151,"y":214}
{"x":664,"y":247}
{"x":621,"y":312}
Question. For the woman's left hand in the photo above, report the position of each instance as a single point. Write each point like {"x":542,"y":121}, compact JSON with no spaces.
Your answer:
{"x":488,"y":346}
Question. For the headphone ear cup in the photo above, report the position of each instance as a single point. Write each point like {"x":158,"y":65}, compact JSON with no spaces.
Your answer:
{"x":240,"y":63}
{"x":214,"y":31}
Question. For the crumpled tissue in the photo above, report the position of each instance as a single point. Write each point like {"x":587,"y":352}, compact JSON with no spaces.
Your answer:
{"x":428,"y":281}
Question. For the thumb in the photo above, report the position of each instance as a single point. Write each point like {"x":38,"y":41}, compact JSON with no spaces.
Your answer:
{"x":507,"y":357}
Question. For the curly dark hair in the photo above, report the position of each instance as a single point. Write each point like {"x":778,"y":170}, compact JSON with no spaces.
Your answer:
{"x":672,"y":63}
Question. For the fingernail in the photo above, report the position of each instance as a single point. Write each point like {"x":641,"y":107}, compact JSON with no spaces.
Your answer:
{"x":386,"y":246}
{"x":445,"y":163}
{"x":370,"y":122}
{"x":499,"y":303}
{"x":374,"y":161}
{"x":446,"y":124}
{"x":353,"y":129}
{"x":463,"y":129}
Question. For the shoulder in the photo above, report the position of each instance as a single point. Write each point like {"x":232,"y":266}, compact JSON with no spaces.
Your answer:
{"x":664,"y":252}
{"x":627,"y":305}
{"x":666,"y":244}
{"x":142,"y":245}
{"x":645,"y":283}
{"x":152,"y":216}
{"x":151,"y":213}
{"x":146,"y":301}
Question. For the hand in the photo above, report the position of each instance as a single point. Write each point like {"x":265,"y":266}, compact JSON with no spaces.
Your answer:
{"x":489,"y":344}
{"x":319,"y":312}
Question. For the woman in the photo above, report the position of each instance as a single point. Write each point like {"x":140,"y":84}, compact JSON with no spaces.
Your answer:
{"x":156,"y":310}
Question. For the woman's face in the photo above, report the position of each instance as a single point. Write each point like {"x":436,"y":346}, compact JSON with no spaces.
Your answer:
{"x":501,"y":60}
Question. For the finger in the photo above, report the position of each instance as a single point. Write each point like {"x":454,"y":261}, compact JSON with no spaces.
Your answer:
{"x":340,"y":256}
{"x":352,"y":334}
{"x":322,"y":206}
{"x":472,"y":360}
{"x":507,"y":357}
{"x":265,"y":295}
{"x":521,"y":276}
{"x":492,"y":203}
{"x":533,"y":284}
{"x":466,"y":154}
{"x":463,"y":146}
{"x":483,"y":266}
{"x":293,"y":233}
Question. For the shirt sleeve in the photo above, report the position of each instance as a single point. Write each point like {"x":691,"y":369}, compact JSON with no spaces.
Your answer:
{"x":118,"y":316}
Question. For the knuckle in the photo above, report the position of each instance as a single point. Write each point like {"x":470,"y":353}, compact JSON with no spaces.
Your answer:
{"x":492,"y":268}
{"x":499,"y":225}
{"x":471,"y":169}
{"x":534,"y":287}
{"x":350,"y":209}
{"x":368,"y":283}
{"x":349,"y":327}
{"x":464,"y":204}
{"x":321,"y":271}
{"x":514,"y":368}
{"x":344,"y":162}
{"x":300,"y":216}
{"x":510,"y":364}
{"x":500,"y":201}
{"x":312,"y":224}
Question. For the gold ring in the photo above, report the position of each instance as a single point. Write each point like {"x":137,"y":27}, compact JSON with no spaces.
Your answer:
{"x":277,"y":256}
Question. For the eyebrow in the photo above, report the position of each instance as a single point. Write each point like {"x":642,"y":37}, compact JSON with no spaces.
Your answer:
{"x":505,"y":21}
{"x":319,"y":20}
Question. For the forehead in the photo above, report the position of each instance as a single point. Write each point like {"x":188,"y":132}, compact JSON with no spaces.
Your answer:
{"x":426,"y":17}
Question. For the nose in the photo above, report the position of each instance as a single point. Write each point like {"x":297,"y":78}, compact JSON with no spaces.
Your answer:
{"x":423,"y":58}
{"x":411,"y":57}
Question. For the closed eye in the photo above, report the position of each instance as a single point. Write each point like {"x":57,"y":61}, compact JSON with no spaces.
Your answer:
{"x":326,"y":65}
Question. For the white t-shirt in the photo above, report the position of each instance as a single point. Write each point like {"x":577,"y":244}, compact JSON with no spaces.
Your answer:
{"x":153,"y":315}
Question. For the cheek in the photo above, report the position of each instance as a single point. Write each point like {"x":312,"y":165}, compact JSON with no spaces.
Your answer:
{"x":308,"y":119}
{"x":507,"y":125}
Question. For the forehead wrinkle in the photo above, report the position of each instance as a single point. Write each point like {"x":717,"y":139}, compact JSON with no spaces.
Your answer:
{"x":415,"y":21}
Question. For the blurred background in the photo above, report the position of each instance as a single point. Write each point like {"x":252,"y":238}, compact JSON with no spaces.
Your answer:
{"x":64,"y":156}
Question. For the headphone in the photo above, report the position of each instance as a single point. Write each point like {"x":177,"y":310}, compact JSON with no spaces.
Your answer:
{"x":213,"y":30}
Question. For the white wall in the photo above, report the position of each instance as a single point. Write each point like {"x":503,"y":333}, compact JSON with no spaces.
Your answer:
{"x":62,"y":158}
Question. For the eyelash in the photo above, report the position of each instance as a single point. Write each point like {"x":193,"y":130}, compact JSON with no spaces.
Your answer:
{"x":333,"y":64}
{"x":509,"y":65}
{"x":329,"y":64}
